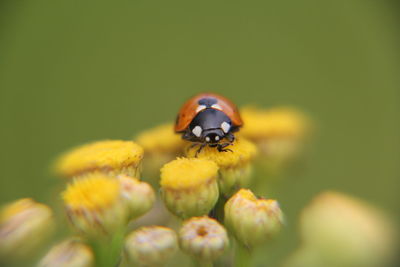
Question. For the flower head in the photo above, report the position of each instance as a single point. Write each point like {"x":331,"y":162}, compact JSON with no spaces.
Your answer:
{"x":151,"y":245}
{"x":94,"y":204}
{"x":139,"y":196}
{"x":252,"y":220}
{"x":234,"y":166}
{"x":71,"y":252}
{"x":260,"y":124}
{"x":278,"y":132}
{"x":203,"y":238}
{"x":112,"y":157}
{"x":189,"y":186}
{"x":161,"y":139}
{"x":21,"y":222}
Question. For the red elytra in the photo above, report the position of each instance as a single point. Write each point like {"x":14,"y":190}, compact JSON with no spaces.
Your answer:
{"x":189,"y":110}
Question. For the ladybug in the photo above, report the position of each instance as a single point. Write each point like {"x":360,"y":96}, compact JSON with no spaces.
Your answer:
{"x":208,"y":119}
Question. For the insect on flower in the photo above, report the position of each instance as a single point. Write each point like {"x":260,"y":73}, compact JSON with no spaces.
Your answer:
{"x":207,"y":119}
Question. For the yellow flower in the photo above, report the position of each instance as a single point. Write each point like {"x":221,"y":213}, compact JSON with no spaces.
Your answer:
{"x":139,"y":196}
{"x":235,"y":166}
{"x":252,"y":220}
{"x":161,"y":139}
{"x":339,"y":230}
{"x":112,"y":157}
{"x":204,"y":238}
{"x":189,"y":186}
{"x":94,"y":204}
{"x":151,"y":245}
{"x":260,"y":124}
{"x":161,"y":145}
{"x":278,"y":132}
{"x":21,"y":223}
{"x":71,"y":252}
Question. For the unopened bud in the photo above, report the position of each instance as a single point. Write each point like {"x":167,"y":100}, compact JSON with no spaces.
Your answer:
{"x":70,"y":253}
{"x":24,"y":225}
{"x":139,"y":196}
{"x":340,"y":230}
{"x":151,"y":245}
{"x":203,"y":238}
{"x":252,"y":220}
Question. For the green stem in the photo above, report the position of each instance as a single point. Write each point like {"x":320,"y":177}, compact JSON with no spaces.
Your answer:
{"x":242,"y":256}
{"x":108,"y":251}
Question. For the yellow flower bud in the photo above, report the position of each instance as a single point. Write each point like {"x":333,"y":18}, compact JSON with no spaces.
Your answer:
{"x":252,"y":220}
{"x":189,"y":186}
{"x":24,"y":226}
{"x":151,"y":245}
{"x":235,"y":166}
{"x":203,"y":238}
{"x":139,"y":196}
{"x":94,"y":204}
{"x":278,"y":132}
{"x":339,"y":230}
{"x":111,"y":157}
{"x":71,"y":252}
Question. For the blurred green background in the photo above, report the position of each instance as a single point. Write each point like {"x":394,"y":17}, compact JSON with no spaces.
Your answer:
{"x":77,"y":71}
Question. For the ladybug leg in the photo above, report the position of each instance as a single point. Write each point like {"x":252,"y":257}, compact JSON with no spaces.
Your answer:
{"x":191,"y":146}
{"x":200,"y":149}
{"x":221,"y":147}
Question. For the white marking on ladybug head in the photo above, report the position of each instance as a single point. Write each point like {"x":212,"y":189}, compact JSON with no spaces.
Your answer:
{"x":197,"y":131}
{"x":225,"y":127}
{"x":208,"y":139}
{"x":216,"y":138}
{"x":216,"y":106}
{"x":200,"y":108}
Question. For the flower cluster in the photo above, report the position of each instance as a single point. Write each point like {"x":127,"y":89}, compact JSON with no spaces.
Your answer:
{"x":105,"y":199}
{"x":209,"y":195}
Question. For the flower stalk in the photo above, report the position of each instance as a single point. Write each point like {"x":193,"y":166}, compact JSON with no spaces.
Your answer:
{"x":108,"y":251}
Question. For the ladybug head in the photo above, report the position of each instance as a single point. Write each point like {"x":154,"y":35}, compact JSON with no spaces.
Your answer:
{"x":213,"y":136}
